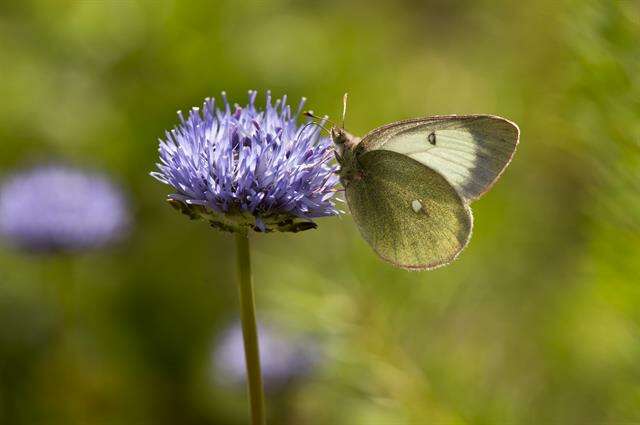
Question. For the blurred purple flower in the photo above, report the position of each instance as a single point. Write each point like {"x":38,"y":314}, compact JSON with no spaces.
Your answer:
{"x":57,"y":208}
{"x":243,"y":167}
{"x":283,"y":357}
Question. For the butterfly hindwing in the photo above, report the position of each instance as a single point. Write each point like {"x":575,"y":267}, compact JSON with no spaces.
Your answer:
{"x":408,"y":213}
{"x":469,"y":151}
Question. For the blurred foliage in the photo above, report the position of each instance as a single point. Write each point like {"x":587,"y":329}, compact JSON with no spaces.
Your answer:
{"x":537,"y":322}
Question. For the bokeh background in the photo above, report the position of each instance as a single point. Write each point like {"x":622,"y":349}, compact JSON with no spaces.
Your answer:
{"x":537,"y":322}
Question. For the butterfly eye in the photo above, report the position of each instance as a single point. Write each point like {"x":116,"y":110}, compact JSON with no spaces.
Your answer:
{"x":338,"y":136}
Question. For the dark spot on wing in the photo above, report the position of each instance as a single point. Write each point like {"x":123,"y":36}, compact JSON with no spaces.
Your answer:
{"x":431,"y":138}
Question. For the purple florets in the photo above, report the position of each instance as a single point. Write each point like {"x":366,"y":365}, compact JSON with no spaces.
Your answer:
{"x":56,"y":208}
{"x":243,"y":167}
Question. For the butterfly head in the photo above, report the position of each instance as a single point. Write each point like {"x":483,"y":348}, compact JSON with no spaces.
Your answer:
{"x":340,"y":136}
{"x":343,"y":140}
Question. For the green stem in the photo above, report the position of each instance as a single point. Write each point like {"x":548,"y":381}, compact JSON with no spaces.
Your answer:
{"x":60,"y":274}
{"x":249,"y":330}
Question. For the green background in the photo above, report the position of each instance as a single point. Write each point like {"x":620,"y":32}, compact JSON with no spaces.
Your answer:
{"x":536,"y":322}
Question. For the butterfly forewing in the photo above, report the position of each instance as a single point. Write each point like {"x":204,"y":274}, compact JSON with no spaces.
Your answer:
{"x":469,"y":151}
{"x":408,"y":213}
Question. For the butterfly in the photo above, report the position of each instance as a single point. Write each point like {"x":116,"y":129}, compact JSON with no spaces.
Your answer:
{"x":409,"y":184}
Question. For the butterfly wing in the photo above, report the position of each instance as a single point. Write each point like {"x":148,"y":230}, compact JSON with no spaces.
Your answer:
{"x":408,"y":213}
{"x":470,"y":151}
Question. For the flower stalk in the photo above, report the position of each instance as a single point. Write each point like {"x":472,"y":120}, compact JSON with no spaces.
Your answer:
{"x":249,"y":330}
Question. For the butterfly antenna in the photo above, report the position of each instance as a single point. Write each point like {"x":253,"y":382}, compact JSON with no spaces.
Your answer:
{"x":309,"y":124}
{"x":312,"y":123}
{"x":344,"y":107}
{"x":322,"y":120}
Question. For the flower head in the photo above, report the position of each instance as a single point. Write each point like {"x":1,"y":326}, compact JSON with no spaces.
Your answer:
{"x":240,"y":167}
{"x":283,"y":357}
{"x":57,"y":208}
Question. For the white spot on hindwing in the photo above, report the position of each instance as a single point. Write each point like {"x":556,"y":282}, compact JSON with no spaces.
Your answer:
{"x":416,"y":206}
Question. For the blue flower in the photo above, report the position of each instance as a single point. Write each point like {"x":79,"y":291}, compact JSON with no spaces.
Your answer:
{"x":240,"y":167}
{"x":56,"y":208}
{"x":283,"y":357}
